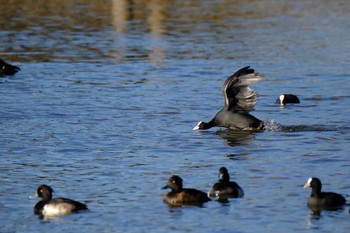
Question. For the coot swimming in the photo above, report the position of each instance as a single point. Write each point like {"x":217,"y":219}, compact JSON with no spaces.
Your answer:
{"x":323,"y":200}
{"x":287,"y":99}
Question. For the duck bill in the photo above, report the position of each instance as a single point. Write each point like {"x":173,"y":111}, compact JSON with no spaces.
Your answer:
{"x":308,"y":183}
{"x":165,"y":187}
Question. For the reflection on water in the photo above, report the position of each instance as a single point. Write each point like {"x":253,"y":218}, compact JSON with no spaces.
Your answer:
{"x":111,"y":29}
{"x":125,"y":13}
{"x":243,"y":137}
{"x":316,"y":211}
{"x":57,"y":27}
{"x":236,"y":137}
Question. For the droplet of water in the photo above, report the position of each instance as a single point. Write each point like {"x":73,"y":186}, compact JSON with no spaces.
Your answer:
{"x":272,"y":125}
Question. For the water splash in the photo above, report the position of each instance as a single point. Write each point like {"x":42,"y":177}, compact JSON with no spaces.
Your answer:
{"x":272,"y":125}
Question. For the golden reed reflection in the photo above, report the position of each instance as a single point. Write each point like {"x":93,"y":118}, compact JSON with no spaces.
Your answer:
{"x":89,"y":29}
{"x":123,"y":11}
{"x":155,"y":21}
{"x":121,"y":14}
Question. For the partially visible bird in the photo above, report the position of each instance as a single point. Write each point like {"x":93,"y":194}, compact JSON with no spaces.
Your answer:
{"x":287,"y":99}
{"x":7,"y":69}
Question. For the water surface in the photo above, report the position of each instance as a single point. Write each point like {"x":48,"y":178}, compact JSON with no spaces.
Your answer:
{"x":109,"y":91}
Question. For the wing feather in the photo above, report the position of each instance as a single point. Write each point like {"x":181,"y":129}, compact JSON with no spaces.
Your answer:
{"x":237,"y":94}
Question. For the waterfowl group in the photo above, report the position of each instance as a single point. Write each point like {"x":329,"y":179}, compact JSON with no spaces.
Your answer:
{"x":179,"y":196}
{"x":239,"y":100}
{"x":225,"y":188}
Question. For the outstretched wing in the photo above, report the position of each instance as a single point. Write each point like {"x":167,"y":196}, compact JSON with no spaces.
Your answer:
{"x":237,"y":94}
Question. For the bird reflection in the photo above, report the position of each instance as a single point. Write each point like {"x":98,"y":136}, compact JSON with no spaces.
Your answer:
{"x":315,"y":213}
{"x":223,"y":201}
{"x":236,"y":137}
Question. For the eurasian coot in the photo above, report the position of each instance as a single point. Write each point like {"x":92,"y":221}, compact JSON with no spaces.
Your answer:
{"x":287,"y":99}
{"x":322,"y":200}
{"x":239,"y":101}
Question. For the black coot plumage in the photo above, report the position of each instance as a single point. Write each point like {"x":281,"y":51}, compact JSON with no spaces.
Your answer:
{"x":7,"y":69}
{"x":55,"y":207}
{"x":323,"y":200}
{"x":225,"y":188}
{"x":239,"y":101}
{"x":287,"y":99}
{"x":179,"y":196}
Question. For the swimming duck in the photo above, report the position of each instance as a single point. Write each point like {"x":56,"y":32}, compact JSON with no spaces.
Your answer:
{"x":183,"y":196}
{"x":7,"y":69}
{"x":239,"y":101}
{"x":287,"y":99}
{"x":323,"y":200}
{"x":55,"y":207}
{"x":225,"y":188}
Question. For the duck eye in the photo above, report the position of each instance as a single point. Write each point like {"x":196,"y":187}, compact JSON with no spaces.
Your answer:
{"x":173,"y":181}
{"x":41,"y":190}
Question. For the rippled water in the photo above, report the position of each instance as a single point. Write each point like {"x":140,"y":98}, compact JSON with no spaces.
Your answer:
{"x":109,"y":91}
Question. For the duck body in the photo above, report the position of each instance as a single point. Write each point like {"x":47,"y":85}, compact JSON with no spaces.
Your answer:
{"x":237,"y":120}
{"x":58,"y":206}
{"x":179,"y":196}
{"x":225,"y":188}
{"x":326,"y":200}
{"x":323,"y":200}
{"x":186,"y":197}
{"x":239,"y":100}
{"x":49,"y":207}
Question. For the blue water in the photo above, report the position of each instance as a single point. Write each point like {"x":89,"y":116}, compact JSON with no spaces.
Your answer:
{"x":109,"y":91}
